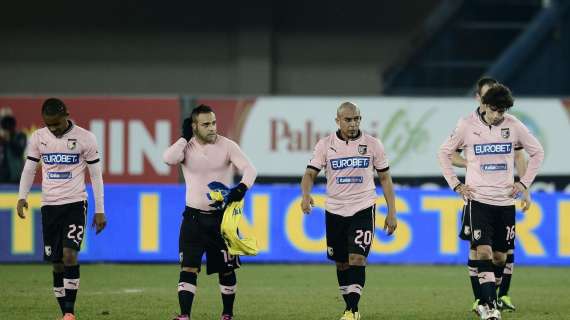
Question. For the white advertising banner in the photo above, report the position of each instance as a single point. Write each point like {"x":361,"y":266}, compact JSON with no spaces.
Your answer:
{"x":279,"y":133}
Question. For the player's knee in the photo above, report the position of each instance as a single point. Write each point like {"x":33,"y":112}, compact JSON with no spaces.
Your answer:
{"x":57,"y":266}
{"x":473,"y":254}
{"x":499,"y":258}
{"x":510,"y":251}
{"x":484,"y":252}
{"x":69,"y":257}
{"x":226,"y":274}
{"x":356,"y":260}
{"x":342,"y":266}
{"x":191,"y":269}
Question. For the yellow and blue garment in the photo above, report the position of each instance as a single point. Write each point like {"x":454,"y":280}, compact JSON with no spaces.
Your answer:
{"x":233,"y":212}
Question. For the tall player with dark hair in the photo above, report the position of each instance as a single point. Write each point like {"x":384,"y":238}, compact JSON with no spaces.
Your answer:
{"x":65,"y":151}
{"x":503,"y":269}
{"x":488,"y":141}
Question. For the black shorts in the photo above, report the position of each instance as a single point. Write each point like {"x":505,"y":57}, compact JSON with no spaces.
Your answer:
{"x":347,"y":235}
{"x":485,"y":224}
{"x":199,"y":233}
{"x":63,"y":226}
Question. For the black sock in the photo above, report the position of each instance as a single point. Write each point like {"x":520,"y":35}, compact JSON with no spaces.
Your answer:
{"x":186,"y":291}
{"x":487,"y":282}
{"x":498,"y":270}
{"x":507,"y":275}
{"x":356,"y":278}
{"x":71,"y":285}
{"x":342,"y":277}
{"x":59,"y":290}
{"x":473,"y":276}
{"x":228,"y":287}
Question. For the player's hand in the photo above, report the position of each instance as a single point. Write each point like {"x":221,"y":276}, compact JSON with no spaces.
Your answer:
{"x":187,"y":129}
{"x":307,"y":204}
{"x":99,"y":222}
{"x":517,"y":190}
{"x":465,"y":191}
{"x":525,"y":201}
{"x":237,"y":193}
{"x":22,"y":203}
{"x":390,"y":223}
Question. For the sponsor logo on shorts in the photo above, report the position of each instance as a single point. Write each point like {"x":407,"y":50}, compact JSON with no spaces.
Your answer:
{"x":351,"y":162}
{"x":59,"y":175}
{"x":60,"y":158}
{"x":180,"y":256}
{"x":47,"y":250}
{"x":492,"y":148}
{"x":494,"y":167}
{"x":477,"y":234}
{"x":467,"y":230}
{"x":347,"y":180}
{"x":330,"y":251}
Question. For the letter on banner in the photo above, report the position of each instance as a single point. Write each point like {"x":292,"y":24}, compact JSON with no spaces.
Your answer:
{"x":295,"y":230}
{"x":524,"y":230}
{"x":402,"y":238}
{"x":564,"y":228}
{"x":447,"y":208}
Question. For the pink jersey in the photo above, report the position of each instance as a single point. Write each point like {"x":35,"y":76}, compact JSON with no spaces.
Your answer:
{"x":204,"y":163}
{"x":349,"y":168}
{"x":64,"y":161}
{"x":489,"y":151}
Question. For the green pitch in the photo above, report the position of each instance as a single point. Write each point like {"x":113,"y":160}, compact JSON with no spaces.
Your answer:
{"x":276,"y":292}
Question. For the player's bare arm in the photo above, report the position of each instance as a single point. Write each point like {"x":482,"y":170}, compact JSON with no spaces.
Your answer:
{"x":306,"y":187}
{"x":390,"y":223}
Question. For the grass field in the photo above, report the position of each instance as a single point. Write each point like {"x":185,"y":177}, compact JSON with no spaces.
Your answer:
{"x":278,"y":292}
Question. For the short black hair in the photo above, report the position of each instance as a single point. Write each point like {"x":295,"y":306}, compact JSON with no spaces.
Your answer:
{"x":485,"y":81}
{"x":199,"y":110}
{"x":54,"y":107}
{"x":498,"y":96}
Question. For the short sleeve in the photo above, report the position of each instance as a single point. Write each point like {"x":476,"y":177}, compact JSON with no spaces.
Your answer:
{"x":380,"y":158}
{"x":33,"y":150}
{"x":319,"y":161}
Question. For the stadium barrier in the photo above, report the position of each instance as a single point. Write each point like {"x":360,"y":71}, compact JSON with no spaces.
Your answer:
{"x":144,"y":220}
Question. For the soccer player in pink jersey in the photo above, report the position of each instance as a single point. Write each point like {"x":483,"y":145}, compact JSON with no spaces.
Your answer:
{"x":206,"y":156}
{"x":488,"y":141}
{"x":350,"y":158}
{"x":65,"y":150}
{"x":503,"y":268}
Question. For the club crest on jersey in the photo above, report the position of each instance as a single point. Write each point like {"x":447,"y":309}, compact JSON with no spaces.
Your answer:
{"x":477,"y":234}
{"x":362,"y":149}
{"x":71,"y":144}
{"x":505,"y":133}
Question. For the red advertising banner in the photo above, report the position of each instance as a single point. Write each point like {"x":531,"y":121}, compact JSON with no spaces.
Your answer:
{"x":132,"y":132}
